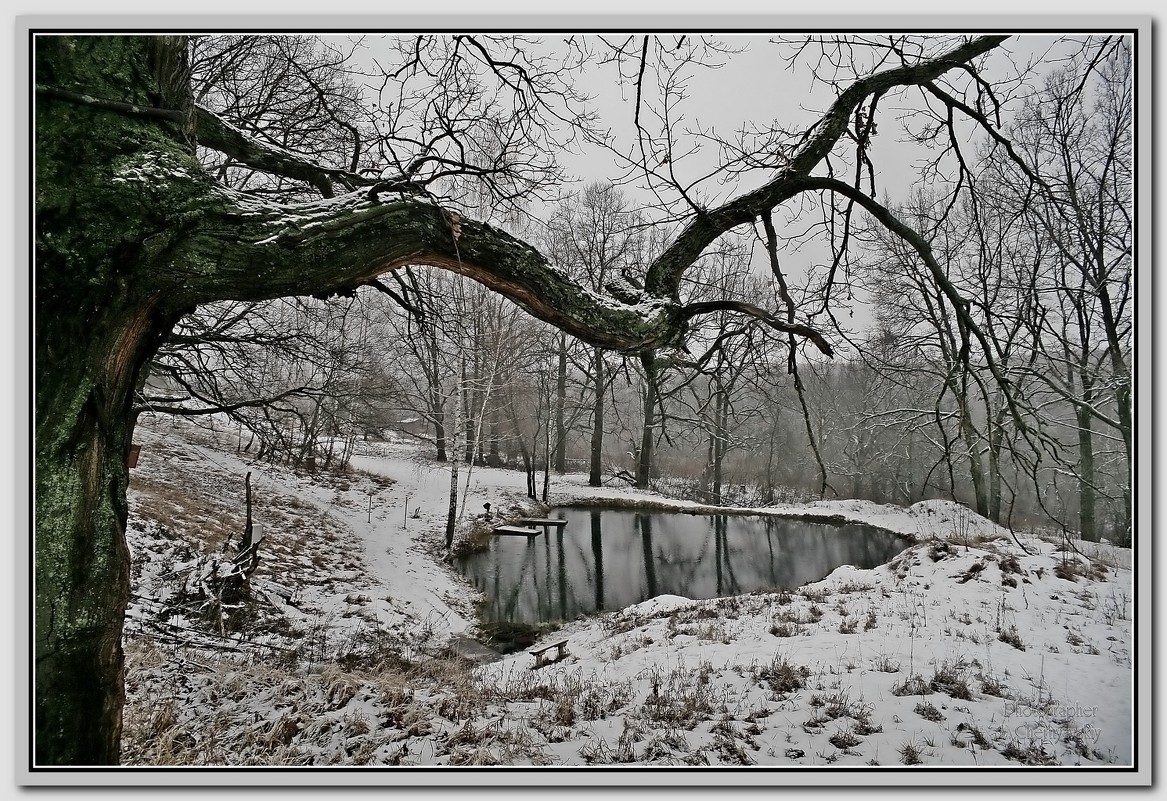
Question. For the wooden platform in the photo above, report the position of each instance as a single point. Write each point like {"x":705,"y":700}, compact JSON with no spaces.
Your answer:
{"x":529,"y":532}
{"x":546,"y":522}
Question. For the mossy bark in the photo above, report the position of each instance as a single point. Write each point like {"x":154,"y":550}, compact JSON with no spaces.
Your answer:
{"x":96,"y":323}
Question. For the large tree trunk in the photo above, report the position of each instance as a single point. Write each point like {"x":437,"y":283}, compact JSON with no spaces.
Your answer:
{"x":644,"y":463}
{"x":994,"y":474}
{"x":528,"y":463}
{"x":561,"y":408}
{"x":83,"y":431}
{"x":452,"y":506}
{"x":95,"y":329}
{"x":1122,"y":394}
{"x":437,"y":405}
{"x":1087,"y":525}
{"x":968,"y":436}
{"x":438,"y":418}
{"x":595,"y":476}
{"x":1122,"y":398}
{"x":494,"y":459}
{"x":719,"y":444}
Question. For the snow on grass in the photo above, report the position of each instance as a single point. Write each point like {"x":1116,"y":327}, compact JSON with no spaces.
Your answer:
{"x":971,"y":648}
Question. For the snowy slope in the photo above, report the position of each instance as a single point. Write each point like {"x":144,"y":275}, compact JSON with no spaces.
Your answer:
{"x":972,"y":648}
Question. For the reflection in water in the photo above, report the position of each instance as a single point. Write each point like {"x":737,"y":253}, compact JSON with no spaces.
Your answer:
{"x":607,"y":559}
{"x":646,"y":545}
{"x":597,"y":560}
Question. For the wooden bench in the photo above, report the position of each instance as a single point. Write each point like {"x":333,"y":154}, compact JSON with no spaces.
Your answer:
{"x":540,"y":653}
{"x":530,"y":532}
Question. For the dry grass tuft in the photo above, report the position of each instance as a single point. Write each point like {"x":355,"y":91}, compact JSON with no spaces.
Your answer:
{"x":783,"y":677}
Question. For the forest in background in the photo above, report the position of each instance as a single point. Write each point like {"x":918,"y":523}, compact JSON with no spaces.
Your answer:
{"x":1025,"y":415}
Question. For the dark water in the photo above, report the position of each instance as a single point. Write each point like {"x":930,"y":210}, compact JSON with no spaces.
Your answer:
{"x":607,"y":559}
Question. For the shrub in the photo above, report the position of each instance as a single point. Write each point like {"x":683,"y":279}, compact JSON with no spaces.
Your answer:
{"x":975,"y":736}
{"x":951,"y":678}
{"x":843,"y":740}
{"x":914,"y":685}
{"x":1033,"y":754}
{"x":928,"y":712}
{"x":909,"y":754}
{"x":1011,"y":637}
{"x":783,"y":677}
{"x":784,"y":629}
{"x":990,"y":685}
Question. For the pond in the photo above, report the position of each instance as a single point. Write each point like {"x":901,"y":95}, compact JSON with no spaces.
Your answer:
{"x":606,"y":559}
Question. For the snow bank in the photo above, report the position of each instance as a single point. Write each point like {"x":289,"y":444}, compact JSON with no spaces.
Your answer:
{"x":969,"y":649}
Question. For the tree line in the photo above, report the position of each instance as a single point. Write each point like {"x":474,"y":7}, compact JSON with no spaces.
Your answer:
{"x":909,"y":414}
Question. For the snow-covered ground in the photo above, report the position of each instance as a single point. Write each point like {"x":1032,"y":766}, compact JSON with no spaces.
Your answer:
{"x":971,"y":648}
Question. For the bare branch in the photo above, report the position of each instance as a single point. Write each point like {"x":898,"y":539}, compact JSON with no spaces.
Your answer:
{"x":741,"y":307}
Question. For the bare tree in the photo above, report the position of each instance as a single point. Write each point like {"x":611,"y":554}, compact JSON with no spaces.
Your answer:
{"x":1073,"y":149}
{"x":596,"y":237}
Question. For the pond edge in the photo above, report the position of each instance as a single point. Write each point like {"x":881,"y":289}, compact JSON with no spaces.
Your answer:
{"x":833,"y":518}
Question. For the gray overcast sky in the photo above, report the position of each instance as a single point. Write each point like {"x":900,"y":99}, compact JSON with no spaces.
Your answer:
{"x":756,"y":88}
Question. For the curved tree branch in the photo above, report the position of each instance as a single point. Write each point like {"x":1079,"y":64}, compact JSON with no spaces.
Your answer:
{"x":341,"y":243}
{"x":959,"y":304}
{"x":132,"y":109}
{"x":218,"y":134}
{"x":741,"y":307}
{"x":244,"y":250}
{"x":664,"y":275}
